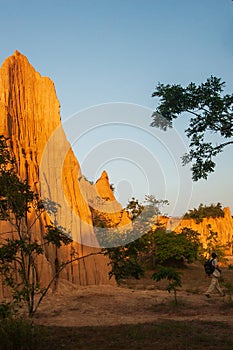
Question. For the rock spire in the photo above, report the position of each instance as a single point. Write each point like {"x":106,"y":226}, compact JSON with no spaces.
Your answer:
{"x":30,"y":115}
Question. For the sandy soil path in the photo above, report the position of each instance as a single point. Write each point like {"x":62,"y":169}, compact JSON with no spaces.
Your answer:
{"x":109,"y":305}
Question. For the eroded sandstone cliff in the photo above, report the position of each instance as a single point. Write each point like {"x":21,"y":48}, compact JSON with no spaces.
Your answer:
{"x":30,"y":119}
{"x":222,"y":225}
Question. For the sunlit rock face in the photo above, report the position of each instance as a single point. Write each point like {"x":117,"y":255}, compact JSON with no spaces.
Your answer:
{"x":30,"y":119}
{"x":222,"y":225}
{"x":109,"y":206}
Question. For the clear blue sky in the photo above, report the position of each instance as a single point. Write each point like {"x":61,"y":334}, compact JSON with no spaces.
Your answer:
{"x":105,"y":52}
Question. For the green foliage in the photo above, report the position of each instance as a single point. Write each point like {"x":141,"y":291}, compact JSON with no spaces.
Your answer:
{"x":210,"y":111}
{"x":124,"y":256}
{"x":214,"y":245}
{"x":125,"y":262}
{"x":57,"y":235}
{"x":155,"y":205}
{"x":128,"y":249}
{"x":7,"y":159}
{"x":134,"y":208}
{"x":204,"y":211}
{"x":155,"y":247}
{"x":172,"y":247}
{"x":173,"y":276}
{"x":151,"y":209}
{"x":19,"y":248}
{"x":148,"y":243}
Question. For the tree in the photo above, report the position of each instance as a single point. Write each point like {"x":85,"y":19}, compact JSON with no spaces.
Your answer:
{"x":128,"y":248}
{"x":148,"y":243}
{"x":214,"y":244}
{"x":176,"y":248}
{"x":134,"y":208}
{"x":125,"y":260}
{"x":211,"y":113}
{"x":20,"y":247}
{"x":21,"y":208}
{"x":154,"y":205}
{"x":173,"y":276}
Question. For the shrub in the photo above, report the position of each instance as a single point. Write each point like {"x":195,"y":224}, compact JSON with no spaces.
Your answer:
{"x":172,"y":247}
{"x":204,"y":211}
{"x":173,"y":276}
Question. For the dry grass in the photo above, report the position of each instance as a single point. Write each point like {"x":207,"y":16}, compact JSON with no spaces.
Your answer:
{"x":137,"y":315}
{"x":163,"y":335}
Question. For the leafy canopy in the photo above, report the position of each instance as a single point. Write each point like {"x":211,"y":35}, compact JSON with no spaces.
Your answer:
{"x":211,"y":113}
{"x":172,"y":247}
{"x":204,"y":211}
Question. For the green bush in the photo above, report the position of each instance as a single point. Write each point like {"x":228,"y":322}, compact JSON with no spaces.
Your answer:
{"x":203,"y":211}
{"x":172,"y":247}
{"x":125,"y":258}
{"x":173,"y":277}
{"x":157,"y":247}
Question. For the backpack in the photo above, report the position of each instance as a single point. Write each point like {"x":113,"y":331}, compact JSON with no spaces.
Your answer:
{"x":209,"y":267}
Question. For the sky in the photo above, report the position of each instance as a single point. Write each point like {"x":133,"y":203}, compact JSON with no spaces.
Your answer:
{"x":106,"y":58}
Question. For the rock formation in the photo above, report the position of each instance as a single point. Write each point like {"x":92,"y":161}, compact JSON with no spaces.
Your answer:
{"x":30,"y":119}
{"x":222,"y":225}
{"x":104,"y":204}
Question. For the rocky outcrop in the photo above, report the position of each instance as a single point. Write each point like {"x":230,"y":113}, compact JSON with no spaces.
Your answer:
{"x":30,"y":119}
{"x":104,"y":204}
{"x":222,"y":225}
{"x":109,"y":219}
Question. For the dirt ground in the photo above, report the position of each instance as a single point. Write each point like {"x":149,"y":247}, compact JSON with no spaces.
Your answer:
{"x":136,"y":301}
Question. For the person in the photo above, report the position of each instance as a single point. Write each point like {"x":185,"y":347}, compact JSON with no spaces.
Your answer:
{"x":214,"y":284}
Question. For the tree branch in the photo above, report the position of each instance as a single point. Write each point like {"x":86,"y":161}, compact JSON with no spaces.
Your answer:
{"x":223,"y":145}
{"x":194,"y":113}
